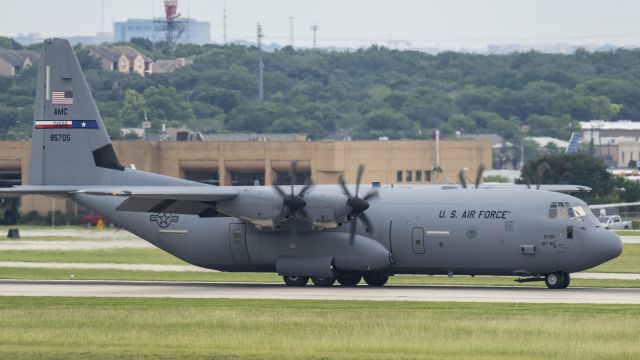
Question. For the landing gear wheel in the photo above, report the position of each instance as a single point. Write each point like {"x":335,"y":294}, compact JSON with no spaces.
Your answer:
{"x":376,"y":279}
{"x":567,"y":280}
{"x":298,"y":281}
{"x":323,"y":281}
{"x":555,"y":280}
{"x":349,"y":279}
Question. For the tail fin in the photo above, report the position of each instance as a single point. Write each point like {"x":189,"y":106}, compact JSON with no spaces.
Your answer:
{"x":70,"y":145}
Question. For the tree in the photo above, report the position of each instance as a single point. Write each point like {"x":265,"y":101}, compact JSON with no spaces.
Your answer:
{"x":386,"y":122}
{"x":574,"y":169}
{"x":166,"y":103}
{"x":133,"y":109}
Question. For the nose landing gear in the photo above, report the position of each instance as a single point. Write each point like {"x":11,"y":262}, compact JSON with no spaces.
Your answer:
{"x":557,"y":280}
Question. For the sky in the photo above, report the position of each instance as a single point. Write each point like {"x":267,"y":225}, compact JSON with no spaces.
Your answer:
{"x":448,"y":24}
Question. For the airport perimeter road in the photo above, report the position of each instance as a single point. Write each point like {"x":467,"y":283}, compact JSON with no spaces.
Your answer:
{"x":277,"y":291}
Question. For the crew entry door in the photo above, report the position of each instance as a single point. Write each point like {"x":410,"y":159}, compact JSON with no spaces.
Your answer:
{"x":417,"y":240}
{"x":238,"y":243}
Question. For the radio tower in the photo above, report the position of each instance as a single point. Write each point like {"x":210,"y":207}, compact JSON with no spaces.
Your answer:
{"x":172,"y":26}
{"x":224,"y":23}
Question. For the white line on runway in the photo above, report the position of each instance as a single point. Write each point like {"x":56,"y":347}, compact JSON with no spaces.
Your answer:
{"x":273,"y":291}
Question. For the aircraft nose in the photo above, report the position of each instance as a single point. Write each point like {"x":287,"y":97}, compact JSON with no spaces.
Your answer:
{"x":603,"y":245}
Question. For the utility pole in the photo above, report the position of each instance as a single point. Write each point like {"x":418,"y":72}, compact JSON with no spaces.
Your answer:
{"x":291,"y":31}
{"x":260,"y":64}
{"x":224,"y":23}
{"x":314,"y":28}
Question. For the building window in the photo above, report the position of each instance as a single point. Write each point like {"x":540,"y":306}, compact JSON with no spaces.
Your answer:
{"x":418,"y":176}
{"x":427,"y":175}
{"x":399,"y":176}
{"x":409,"y":176}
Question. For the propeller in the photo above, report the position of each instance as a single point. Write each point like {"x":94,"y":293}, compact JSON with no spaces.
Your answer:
{"x":357,"y":205}
{"x":294,"y":204}
{"x":463,"y":179}
{"x":542,"y":168}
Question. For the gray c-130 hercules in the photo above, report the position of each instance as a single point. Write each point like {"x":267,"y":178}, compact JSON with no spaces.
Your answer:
{"x":323,"y":232}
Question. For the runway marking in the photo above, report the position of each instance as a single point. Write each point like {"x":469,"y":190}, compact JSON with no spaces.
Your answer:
{"x":275,"y":291}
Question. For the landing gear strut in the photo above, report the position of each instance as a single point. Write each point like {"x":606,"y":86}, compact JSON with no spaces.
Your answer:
{"x":557,"y":280}
{"x":297,"y":281}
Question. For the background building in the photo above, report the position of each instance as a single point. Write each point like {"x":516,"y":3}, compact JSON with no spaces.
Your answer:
{"x":13,"y":61}
{"x":197,"y":32}
{"x":248,"y":162}
{"x":615,"y":142}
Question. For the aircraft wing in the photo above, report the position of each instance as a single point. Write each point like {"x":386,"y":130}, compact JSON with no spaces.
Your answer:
{"x":49,"y":190}
{"x":199,"y":193}
{"x":186,"y":193}
{"x":607,"y":206}
{"x":567,"y":189}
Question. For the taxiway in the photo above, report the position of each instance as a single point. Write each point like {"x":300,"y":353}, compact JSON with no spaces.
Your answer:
{"x":81,"y":288}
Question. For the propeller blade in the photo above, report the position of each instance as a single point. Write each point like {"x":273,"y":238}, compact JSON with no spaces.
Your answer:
{"x":306,"y":215}
{"x":542,"y":168}
{"x":462,"y":179}
{"x":344,"y":186}
{"x":479,"y":175}
{"x":306,"y":187}
{"x":367,"y":223}
{"x":359,"y":177}
{"x":371,"y":195}
{"x":277,"y":188}
{"x":352,"y":231}
{"x":292,"y":173}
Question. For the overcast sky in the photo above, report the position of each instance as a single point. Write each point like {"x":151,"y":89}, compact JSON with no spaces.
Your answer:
{"x":425,"y":23}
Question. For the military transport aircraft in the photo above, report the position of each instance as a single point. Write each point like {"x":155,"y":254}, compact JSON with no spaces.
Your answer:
{"x":323,"y":232}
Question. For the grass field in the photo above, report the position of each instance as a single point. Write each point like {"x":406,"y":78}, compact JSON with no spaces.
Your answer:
{"x":115,"y":256}
{"x":94,"y":328}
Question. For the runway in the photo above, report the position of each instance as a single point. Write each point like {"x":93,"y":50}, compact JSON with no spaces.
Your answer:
{"x":78,"y":288}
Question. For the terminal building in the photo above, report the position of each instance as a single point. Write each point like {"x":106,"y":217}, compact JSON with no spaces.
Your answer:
{"x":196,"y":32}
{"x":246,"y":163}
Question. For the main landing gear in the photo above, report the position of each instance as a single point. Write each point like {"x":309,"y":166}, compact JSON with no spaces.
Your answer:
{"x":557,"y":280}
{"x":344,"y":279}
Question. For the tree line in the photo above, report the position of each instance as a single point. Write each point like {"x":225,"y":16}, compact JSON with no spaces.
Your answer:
{"x":365,"y":94}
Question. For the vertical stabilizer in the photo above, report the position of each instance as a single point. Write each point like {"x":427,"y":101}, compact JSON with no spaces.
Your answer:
{"x":70,"y":143}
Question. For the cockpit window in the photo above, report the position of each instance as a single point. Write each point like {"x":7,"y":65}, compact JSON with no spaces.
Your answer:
{"x":564,"y":210}
{"x":553,"y":210}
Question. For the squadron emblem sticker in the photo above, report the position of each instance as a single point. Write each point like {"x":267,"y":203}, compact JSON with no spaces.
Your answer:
{"x":164,"y":219}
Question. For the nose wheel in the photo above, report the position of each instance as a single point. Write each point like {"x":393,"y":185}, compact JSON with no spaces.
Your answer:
{"x":557,"y":280}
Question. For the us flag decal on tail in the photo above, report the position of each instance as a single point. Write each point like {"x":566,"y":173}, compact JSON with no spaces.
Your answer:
{"x":66,"y":124}
{"x":62,"y":97}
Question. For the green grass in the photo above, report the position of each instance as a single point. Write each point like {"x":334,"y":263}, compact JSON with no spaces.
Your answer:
{"x":95,"y":328}
{"x":116,"y":256}
{"x":628,"y":262}
{"x":93,"y":274}
{"x":627,"y":232}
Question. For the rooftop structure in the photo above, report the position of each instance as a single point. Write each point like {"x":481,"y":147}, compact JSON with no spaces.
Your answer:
{"x":122,"y":58}
{"x":13,"y":61}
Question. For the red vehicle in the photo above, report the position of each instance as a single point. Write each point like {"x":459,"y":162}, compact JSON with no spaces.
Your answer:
{"x":93,"y":218}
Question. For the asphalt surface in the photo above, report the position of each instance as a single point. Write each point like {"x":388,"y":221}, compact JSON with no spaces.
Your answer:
{"x":78,"y":288}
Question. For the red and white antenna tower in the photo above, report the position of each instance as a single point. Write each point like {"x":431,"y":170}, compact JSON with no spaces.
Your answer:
{"x":172,"y":25}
